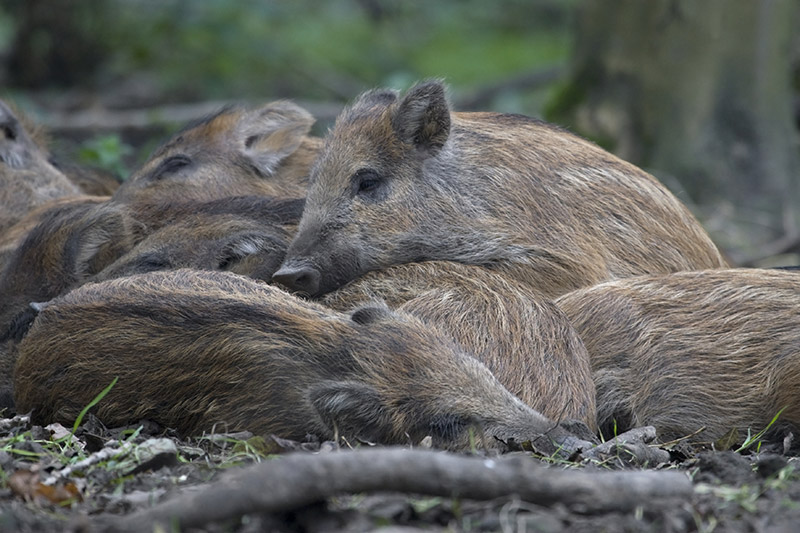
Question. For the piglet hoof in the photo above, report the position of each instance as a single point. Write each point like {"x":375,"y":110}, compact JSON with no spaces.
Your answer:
{"x":631,"y":448}
{"x":566,"y":441}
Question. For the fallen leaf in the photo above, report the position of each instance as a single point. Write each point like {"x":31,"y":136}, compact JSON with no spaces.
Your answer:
{"x":26,"y":484}
{"x":727,"y":441}
{"x":57,"y":431}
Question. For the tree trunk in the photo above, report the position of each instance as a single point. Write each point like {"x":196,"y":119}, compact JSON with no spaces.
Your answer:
{"x":700,"y":92}
{"x":56,"y":44}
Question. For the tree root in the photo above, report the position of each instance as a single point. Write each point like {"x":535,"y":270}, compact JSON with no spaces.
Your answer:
{"x":297,"y":480}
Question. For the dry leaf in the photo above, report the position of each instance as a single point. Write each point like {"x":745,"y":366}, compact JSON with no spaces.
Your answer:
{"x":27,"y":485}
{"x":727,"y":441}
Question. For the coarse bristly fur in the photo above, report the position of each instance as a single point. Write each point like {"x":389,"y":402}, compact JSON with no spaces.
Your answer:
{"x":525,"y":341}
{"x":243,"y":234}
{"x":87,"y":238}
{"x":64,"y":243}
{"x":90,"y":240}
{"x":235,"y":152}
{"x":91,"y":180}
{"x":70,"y":242}
{"x":193,"y":349}
{"x":715,"y":349}
{"x":403,"y":179}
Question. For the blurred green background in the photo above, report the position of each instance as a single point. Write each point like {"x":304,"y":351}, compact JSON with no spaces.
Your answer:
{"x":702,"y":94}
{"x":69,"y":55}
{"x":216,"y":49}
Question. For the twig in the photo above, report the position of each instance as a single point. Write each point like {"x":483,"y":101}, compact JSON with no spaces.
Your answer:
{"x":112,"y":450}
{"x":681,"y":439}
{"x":18,"y":420}
{"x":298,"y":480}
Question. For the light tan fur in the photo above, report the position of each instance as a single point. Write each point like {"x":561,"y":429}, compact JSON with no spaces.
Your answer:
{"x":715,"y":349}
{"x":265,"y":151}
{"x":525,"y":341}
{"x":403,"y":179}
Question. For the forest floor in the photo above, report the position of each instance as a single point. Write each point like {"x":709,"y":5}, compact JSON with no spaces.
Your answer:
{"x":99,"y":479}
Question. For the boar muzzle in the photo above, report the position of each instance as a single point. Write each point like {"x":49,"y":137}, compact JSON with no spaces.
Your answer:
{"x":299,"y":277}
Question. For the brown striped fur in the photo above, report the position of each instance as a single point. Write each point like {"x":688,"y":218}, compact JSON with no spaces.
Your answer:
{"x":247,"y":235}
{"x":525,"y":341}
{"x":193,"y":349}
{"x":70,"y":243}
{"x":79,"y":241}
{"x":90,"y":180}
{"x":402,"y":179}
{"x":718,"y":349}
{"x":16,"y":234}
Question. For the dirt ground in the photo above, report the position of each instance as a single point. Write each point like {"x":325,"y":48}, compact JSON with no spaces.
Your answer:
{"x":55,"y":481}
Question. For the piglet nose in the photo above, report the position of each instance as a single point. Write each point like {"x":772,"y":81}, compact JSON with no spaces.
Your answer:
{"x":299,"y":278}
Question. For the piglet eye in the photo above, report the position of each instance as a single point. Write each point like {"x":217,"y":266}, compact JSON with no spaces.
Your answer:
{"x":171,"y":165}
{"x":9,"y":132}
{"x":367,"y":181}
{"x":153,"y":262}
{"x":366,"y":185}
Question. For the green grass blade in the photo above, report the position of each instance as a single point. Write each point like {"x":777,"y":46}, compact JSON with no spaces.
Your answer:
{"x":750,"y":440}
{"x":92,"y":404}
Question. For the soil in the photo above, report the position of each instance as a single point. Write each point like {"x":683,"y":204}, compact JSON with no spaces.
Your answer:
{"x":53,"y":480}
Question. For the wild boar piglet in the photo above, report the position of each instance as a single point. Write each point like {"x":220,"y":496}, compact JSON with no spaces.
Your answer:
{"x":404,"y":179}
{"x":193,"y":350}
{"x":714,"y":349}
{"x":265,"y":151}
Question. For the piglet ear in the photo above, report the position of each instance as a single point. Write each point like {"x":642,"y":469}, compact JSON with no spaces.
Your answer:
{"x":422,"y":117}
{"x":272,"y":133}
{"x":352,"y":408}
{"x":370,"y":313}
{"x":102,"y":239}
{"x":20,"y":324}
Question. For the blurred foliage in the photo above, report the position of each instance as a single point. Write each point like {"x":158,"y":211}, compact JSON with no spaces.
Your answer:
{"x":57,"y":43}
{"x":107,"y":152}
{"x":306,"y":49}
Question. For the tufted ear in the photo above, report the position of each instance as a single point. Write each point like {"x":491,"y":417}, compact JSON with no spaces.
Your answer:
{"x":20,"y":324}
{"x":370,"y":313}
{"x":102,"y":239}
{"x":422,"y":117}
{"x":272,"y":133}
{"x":254,"y":254}
{"x":352,"y":408}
